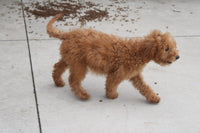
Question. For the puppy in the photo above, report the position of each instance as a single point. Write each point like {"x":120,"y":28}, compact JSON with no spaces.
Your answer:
{"x":117,"y":58}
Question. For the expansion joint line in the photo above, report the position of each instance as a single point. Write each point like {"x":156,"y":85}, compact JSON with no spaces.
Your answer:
{"x":31,"y":67}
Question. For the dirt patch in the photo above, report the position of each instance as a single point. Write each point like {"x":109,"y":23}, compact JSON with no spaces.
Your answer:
{"x":83,"y":12}
{"x":69,"y":9}
{"x":78,"y":13}
{"x":93,"y":15}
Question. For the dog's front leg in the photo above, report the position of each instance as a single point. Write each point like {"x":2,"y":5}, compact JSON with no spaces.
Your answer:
{"x":112,"y":82}
{"x":144,"y":89}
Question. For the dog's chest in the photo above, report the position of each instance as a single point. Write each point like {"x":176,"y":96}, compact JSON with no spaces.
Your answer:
{"x":133,"y":73}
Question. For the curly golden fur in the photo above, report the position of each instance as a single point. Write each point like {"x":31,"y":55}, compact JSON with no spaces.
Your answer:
{"x":113,"y":56}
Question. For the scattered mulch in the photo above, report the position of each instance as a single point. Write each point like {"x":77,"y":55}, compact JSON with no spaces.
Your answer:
{"x":69,"y":9}
{"x":100,"y":100}
{"x":78,"y":13}
{"x":83,"y":12}
{"x":93,"y":14}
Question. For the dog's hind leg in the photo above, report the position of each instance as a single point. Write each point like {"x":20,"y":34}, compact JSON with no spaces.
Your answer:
{"x":144,"y":89}
{"x":59,"y":69}
{"x":77,"y":74}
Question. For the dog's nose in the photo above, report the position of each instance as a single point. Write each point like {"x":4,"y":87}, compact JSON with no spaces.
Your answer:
{"x":177,"y":57}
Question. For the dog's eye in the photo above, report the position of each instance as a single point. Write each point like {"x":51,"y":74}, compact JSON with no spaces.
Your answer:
{"x":167,"y":49}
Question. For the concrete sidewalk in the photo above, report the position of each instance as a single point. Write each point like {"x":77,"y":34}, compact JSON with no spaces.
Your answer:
{"x":31,"y":103}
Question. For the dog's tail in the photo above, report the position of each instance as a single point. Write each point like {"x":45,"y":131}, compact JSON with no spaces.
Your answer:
{"x":53,"y":32}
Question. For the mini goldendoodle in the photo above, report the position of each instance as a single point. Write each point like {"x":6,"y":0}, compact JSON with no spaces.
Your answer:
{"x":115,"y":57}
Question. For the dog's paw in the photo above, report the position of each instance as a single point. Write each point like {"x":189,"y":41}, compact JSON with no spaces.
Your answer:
{"x":60,"y":83}
{"x":82,"y":94}
{"x":112,"y":95}
{"x":153,"y":98}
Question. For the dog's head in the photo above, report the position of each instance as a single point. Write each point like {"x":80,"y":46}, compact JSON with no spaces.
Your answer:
{"x":165,"y":48}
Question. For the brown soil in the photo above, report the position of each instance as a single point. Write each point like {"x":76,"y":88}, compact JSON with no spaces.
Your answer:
{"x":83,"y":12}
{"x":69,"y":9}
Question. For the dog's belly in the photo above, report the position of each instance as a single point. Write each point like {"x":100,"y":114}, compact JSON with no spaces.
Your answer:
{"x":99,"y":67}
{"x":99,"y":61}
{"x":97,"y":71}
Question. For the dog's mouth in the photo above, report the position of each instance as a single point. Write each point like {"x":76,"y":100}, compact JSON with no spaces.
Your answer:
{"x":164,"y":63}
{"x":172,"y":60}
{"x":169,"y":62}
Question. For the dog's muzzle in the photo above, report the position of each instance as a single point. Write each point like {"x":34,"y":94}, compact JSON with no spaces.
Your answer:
{"x":177,"y":57}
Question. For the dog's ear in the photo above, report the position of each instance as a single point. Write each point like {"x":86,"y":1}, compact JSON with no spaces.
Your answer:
{"x":166,"y":36}
{"x":151,"y":43}
{"x":156,"y":33}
